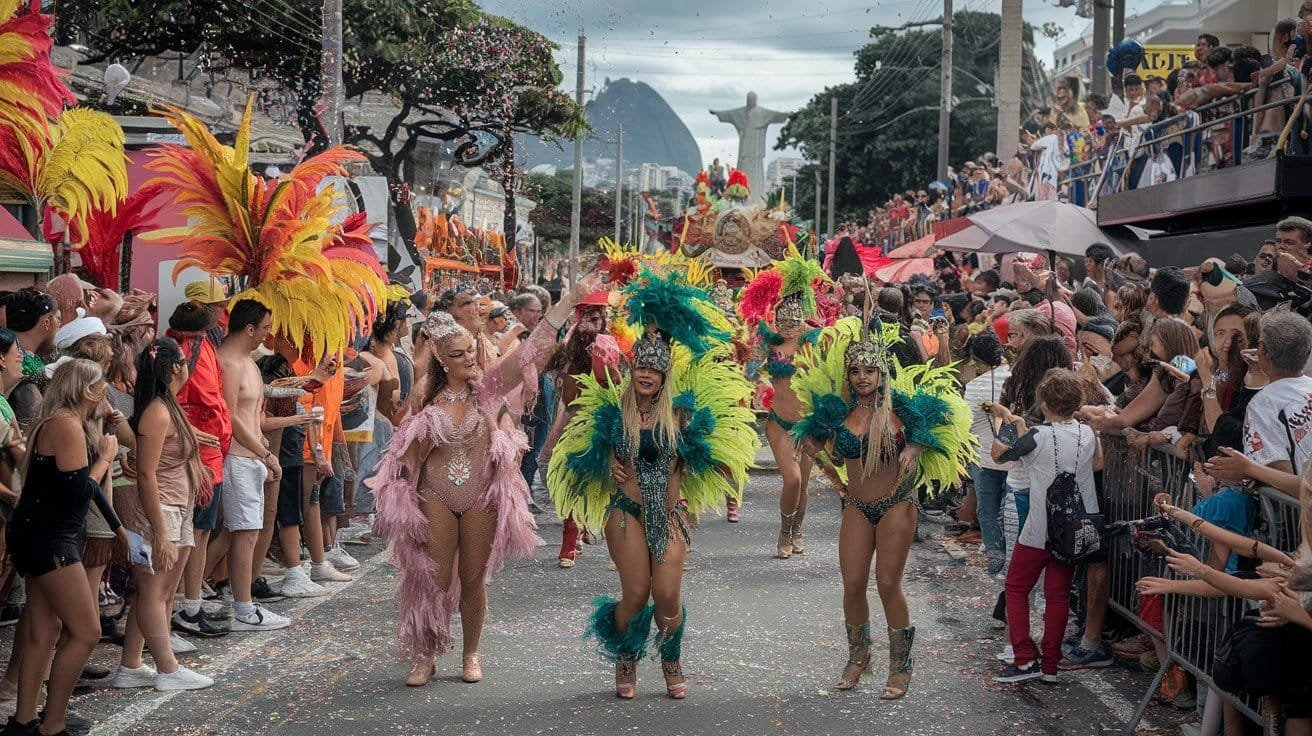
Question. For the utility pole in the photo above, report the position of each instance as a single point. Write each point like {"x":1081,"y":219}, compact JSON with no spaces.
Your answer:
{"x":817,"y":201}
{"x":1006,"y":89}
{"x":945,"y":93}
{"x":1118,"y":22}
{"x":330,"y":71}
{"x":619,"y":180}
{"x":833,"y":155}
{"x":1101,"y":21}
{"x":577,"y":202}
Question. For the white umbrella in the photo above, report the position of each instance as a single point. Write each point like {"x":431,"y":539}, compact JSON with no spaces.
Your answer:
{"x":1049,"y":225}
{"x":968,"y":238}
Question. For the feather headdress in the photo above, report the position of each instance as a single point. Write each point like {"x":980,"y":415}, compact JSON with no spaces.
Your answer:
{"x":320,"y":280}
{"x":683,"y":312}
{"x":70,"y":162}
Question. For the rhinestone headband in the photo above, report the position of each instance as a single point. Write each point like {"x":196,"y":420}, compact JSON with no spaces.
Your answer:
{"x":442,"y":326}
{"x":790,"y":310}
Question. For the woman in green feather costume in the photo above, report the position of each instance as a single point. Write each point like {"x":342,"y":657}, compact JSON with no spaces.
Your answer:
{"x":673,"y":438}
{"x":894,"y":436}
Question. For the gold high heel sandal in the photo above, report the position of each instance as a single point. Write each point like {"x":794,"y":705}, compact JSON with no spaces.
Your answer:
{"x":626,"y":677}
{"x":471,"y":669}
{"x":799,"y":544}
{"x":858,"y":655}
{"x":784,"y":546}
{"x":421,"y":672}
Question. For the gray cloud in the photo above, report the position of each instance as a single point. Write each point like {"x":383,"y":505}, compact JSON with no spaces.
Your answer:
{"x":700,"y":55}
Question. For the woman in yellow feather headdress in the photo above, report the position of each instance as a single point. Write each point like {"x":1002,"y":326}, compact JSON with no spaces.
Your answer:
{"x":897,"y":430}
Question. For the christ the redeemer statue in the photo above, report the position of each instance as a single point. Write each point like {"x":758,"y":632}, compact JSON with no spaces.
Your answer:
{"x":752,"y":122}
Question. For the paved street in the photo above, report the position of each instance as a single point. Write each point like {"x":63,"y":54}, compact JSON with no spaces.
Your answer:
{"x":765,"y":645}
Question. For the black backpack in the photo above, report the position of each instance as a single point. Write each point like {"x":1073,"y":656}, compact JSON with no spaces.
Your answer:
{"x":1073,"y":533}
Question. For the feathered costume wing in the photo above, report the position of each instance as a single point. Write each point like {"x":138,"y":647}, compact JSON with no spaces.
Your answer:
{"x":925,"y":400}
{"x":717,"y":442}
{"x":320,"y":280}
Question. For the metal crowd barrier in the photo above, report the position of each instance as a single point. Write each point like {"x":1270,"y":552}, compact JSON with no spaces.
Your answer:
{"x":1192,"y":627}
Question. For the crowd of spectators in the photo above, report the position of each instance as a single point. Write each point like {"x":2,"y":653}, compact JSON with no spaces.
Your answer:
{"x":1063,"y":149}
{"x":1207,"y":364}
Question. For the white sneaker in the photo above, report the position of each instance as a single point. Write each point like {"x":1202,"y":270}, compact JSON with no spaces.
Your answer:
{"x":339,"y":559}
{"x":261,"y":620}
{"x":1007,"y":655}
{"x":298,"y":585}
{"x":180,"y":645}
{"x":182,"y":679}
{"x":324,"y":572}
{"x":143,"y":676}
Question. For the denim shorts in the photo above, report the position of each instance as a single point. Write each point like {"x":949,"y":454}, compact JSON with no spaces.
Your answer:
{"x":206,"y":518}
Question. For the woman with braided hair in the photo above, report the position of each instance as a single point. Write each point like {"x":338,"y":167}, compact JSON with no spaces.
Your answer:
{"x":896,"y":430}
{"x":452,"y":503}
{"x":643,"y":454}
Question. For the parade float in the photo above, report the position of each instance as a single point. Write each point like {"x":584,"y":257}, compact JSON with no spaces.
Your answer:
{"x":732,"y":234}
{"x":452,"y":250}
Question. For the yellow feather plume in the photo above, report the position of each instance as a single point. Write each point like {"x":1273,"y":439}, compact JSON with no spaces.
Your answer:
{"x":279,"y":237}
{"x":85,"y":167}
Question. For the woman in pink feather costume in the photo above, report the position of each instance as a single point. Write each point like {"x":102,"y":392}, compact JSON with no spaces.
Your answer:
{"x":452,"y":503}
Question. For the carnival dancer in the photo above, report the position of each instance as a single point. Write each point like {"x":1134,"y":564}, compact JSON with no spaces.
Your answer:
{"x":786,"y":295}
{"x":897,"y":430}
{"x":643,"y":454}
{"x":452,"y":504}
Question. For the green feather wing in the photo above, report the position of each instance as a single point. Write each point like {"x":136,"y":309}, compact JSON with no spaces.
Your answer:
{"x":578,"y":476}
{"x":819,"y":379}
{"x":718,"y":443}
{"x":935,"y":416}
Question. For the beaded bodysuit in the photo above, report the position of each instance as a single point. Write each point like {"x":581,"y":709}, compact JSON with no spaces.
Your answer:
{"x":458,"y":473}
{"x":652,"y":465}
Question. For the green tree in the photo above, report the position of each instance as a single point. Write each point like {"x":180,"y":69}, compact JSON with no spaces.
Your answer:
{"x":551,"y":216}
{"x":888,"y":123}
{"x":457,"y":76}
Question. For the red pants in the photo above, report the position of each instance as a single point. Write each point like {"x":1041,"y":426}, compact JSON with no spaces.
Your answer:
{"x":1027,"y":563}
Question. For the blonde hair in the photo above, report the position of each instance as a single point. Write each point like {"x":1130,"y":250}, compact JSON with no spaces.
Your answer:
{"x":66,"y":391}
{"x":665,"y":428}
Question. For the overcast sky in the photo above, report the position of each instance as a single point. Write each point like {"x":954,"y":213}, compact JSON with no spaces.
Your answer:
{"x":706,"y":54}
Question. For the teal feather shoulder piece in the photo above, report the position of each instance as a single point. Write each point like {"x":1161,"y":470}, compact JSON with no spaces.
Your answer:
{"x":936,"y":417}
{"x":718,"y":442}
{"x":579,"y":475}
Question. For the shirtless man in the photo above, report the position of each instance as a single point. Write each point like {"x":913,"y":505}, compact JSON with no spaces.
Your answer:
{"x":249,"y":463}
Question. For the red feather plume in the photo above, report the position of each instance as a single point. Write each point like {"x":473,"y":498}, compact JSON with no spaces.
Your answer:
{"x":760,"y":296}
{"x":620,"y":272}
{"x":106,"y":231}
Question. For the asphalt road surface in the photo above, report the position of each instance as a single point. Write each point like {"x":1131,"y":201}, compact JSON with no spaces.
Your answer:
{"x":765,"y":644}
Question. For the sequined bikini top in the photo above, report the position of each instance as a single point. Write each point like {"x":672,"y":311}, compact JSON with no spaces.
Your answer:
{"x":778,"y":365}
{"x":850,"y":447}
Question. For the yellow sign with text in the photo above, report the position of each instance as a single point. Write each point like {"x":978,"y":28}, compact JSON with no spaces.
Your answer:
{"x":1162,"y":60}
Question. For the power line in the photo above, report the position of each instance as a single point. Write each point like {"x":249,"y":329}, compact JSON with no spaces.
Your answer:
{"x":901,"y":50}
